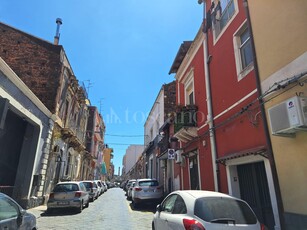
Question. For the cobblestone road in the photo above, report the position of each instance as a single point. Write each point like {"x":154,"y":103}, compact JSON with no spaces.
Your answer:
{"x":110,"y":211}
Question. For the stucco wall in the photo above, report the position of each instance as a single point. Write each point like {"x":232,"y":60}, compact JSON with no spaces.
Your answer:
{"x":280,"y":35}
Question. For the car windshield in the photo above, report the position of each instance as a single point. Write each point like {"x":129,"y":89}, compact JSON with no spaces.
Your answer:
{"x":88,"y":184}
{"x":149,"y":183}
{"x":221,"y":210}
{"x":66,"y":188}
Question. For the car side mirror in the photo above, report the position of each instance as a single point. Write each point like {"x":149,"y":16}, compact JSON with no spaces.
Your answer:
{"x":159,"y":208}
{"x":20,"y":217}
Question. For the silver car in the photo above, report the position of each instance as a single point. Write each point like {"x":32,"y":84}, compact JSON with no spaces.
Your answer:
{"x":196,"y":209}
{"x":146,"y":191}
{"x":92,"y":189}
{"x":129,"y":192}
{"x":12,"y":216}
{"x":70,"y":194}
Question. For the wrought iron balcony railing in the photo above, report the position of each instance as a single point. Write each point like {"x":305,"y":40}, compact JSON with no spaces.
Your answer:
{"x":185,"y":117}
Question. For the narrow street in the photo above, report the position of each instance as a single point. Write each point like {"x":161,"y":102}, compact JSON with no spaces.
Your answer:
{"x":110,"y":211}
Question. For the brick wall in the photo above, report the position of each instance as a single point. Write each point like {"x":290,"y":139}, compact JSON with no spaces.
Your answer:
{"x":169,"y":98}
{"x":35,"y":61}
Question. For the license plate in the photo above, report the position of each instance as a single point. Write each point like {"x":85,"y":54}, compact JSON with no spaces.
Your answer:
{"x":63,"y":202}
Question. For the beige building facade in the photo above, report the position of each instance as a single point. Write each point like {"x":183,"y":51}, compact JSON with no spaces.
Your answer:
{"x":280,"y":38}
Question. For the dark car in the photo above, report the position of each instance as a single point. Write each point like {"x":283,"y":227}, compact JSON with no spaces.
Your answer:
{"x":13,"y":216}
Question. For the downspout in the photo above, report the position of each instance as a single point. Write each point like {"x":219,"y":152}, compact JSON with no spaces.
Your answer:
{"x":209,"y":106}
{"x":265,"y":123}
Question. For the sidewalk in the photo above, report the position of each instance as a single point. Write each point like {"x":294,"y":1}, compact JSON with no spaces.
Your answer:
{"x":37,"y":211}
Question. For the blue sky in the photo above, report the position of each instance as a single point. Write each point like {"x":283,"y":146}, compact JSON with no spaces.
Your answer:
{"x":121,"y":50}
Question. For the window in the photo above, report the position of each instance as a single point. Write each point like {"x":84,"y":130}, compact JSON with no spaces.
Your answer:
{"x":220,"y":210}
{"x":189,"y":89}
{"x":149,"y":183}
{"x":179,"y":207}
{"x":221,"y":13}
{"x":243,"y":51}
{"x":169,"y":203}
{"x":7,"y":209}
{"x":191,"y":98}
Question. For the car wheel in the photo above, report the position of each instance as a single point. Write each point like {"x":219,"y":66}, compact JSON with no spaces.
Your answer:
{"x":135,"y":205}
{"x":79,"y":210}
{"x":152,"y":226}
{"x":87,"y":203}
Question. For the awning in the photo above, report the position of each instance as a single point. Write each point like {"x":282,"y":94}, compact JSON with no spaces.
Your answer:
{"x":103,"y":168}
{"x":261,"y":150}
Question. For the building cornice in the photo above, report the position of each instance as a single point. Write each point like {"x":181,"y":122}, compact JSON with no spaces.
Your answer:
{"x":197,"y":42}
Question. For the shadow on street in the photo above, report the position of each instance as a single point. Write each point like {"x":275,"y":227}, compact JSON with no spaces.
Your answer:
{"x":146,"y":207}
{"x":60,"y":212}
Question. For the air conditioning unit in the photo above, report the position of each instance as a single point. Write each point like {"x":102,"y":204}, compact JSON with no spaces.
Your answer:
{"x":178,"y":156}
{"x":289,"y":116}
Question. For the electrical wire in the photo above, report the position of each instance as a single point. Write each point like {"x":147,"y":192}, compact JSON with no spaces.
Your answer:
{"x":119,"y":144}
{"x":118,"y":135}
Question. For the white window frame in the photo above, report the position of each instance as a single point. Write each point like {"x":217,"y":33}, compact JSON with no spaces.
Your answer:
{"x":241,"y":72}
{"x":189,"y":87}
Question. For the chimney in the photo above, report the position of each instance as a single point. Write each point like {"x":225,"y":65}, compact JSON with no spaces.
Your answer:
{"x":57,"y":34}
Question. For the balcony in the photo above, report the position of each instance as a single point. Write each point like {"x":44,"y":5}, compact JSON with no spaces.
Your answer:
{"x":185,"y":124}
{"x":164,"y":144}
{"x":74,"y":135}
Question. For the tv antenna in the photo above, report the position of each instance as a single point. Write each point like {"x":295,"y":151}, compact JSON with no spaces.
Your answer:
{"x":89,"y":85}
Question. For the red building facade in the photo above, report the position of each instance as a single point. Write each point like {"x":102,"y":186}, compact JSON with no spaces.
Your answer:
{"x":218,"y":119}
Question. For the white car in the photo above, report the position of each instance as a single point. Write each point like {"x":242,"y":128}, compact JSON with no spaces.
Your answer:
{"x":204,"y":210}
{"x":70,"y":194}
{"x":146,"y":191}
{"x":129,"y":192}
{"x":13,"y":216}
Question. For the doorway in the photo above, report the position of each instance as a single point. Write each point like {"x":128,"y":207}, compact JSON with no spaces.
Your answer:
{"x":254,"y":190}
{"x":193,"y":167}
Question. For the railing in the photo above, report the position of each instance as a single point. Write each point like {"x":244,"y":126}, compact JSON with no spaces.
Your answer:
{"x":75,"y":130}
{"x":227,"y":14}
{"x":185,"y":118}
{"x":164,"y":144}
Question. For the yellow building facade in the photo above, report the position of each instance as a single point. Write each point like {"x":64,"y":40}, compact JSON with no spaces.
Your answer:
{"x":280,"y":37}
{"x":107,"y":157}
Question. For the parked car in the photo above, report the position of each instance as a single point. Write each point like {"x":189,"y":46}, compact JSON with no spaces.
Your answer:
{"x":100,"y":187}
{"x":129,"y":184}
{"x":146,"y":190}
{"x":70,"y":194}
{"x":105,"y":185}
{"x":13,"y":216}
{"x":129,"y":192}
{"x":123,"y":185}
{"x":92,"y":189}
{"x":196,"y":209}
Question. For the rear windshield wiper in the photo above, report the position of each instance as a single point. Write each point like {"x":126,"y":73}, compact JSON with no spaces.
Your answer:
{"x":224,"y":221}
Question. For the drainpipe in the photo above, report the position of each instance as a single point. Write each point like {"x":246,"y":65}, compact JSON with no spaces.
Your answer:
{"x":210,"y":117}
{"x":265,"y":123}
{"x":209,"y":106}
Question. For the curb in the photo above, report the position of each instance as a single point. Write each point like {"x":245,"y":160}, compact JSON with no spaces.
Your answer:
{"x":37,"y":211}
